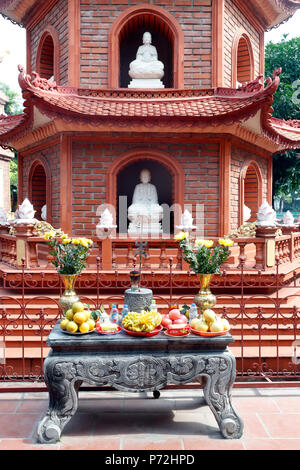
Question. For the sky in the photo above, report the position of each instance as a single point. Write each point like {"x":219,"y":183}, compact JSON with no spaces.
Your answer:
{"x":13,"y":39}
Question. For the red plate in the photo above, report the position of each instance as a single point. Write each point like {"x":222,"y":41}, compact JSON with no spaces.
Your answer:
{"x":144,"y":333}
{"x":99,"y":330}
{"x":209,"y":333}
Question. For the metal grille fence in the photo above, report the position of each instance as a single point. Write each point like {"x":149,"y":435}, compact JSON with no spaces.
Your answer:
{"x":265,"y":326}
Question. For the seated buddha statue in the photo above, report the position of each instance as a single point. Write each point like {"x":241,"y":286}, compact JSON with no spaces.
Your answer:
{"x":146,"y":68}
{"x":145,"y":213}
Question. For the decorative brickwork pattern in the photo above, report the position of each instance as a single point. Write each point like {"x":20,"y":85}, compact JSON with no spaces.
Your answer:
{"x":238,"y":159}
{"x":91,"y":162}
{"x":52,"y":156}
{"x":233,"y":21}
{"x":58,"y":18}
{"x":97,"y":17}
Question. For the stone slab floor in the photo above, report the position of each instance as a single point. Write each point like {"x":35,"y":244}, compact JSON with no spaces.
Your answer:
{"x":178,"y":420}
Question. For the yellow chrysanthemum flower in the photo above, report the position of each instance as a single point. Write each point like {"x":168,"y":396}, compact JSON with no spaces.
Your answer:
{"x":49,"y":235}
{"x":75,"y":241}
{"x":199,"y":242}
{"x":90,"y":242}
{"x":64,"y":236}
{"x":84,"y":243}
{"x":66,"y":241}
{"x":181,"y":236}
{"x":225,"y":242}
{"x":208,"y":243}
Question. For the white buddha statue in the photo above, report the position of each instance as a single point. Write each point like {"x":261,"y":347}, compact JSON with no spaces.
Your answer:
{"x":145,"y":213}
{"x":146,"y":70}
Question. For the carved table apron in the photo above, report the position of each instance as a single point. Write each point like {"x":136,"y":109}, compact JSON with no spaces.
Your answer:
{"x":136,"y":364}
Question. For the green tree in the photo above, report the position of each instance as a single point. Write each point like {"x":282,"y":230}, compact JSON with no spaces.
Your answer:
{"x":285,"y":54}
{"x":13,"y":106}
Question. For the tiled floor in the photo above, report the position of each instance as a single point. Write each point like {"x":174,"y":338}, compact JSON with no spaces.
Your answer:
{"x":179,"y":420}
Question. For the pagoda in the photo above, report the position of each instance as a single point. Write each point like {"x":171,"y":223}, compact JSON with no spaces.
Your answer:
{"x":207,"y":135}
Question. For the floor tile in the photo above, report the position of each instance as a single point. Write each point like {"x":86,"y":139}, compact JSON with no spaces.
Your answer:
{"x":272,"y":444}
{"x":26,"y":444}
{"x":8,"y":406}
{"x":192,"y":443}
{"x":32,"y":406}
{"x":90,"y":443}
{"x":255,"y":405}
{"x":282,"y":425}
{"x":288,"y":404}
{"x":151,"y":442}
{"x":17,"y":425}
{"x":253,"y":426}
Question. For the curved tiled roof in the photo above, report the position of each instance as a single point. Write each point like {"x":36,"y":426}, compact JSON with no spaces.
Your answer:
{"x":198,"y":108}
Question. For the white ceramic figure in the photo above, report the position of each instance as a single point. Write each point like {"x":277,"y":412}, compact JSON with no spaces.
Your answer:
{"x":247,"y":213}
{"x":266,"y":216}
{"x":25,"y":213}
{"x":106,"y":220}
{"x":145,"y":213}
{"x":288,"y":219}
{"x":44,"y":212}
{"x":186,"y":222}
{"x":146,"y":70}
{"x":3,"y":217}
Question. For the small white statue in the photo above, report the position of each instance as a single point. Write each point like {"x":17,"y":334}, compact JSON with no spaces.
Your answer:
{"x":106,"y":224}
{"x":186,"y":222}
{"x":44,"y":212}
{"x":266,"y":216}
{"x":288,"y":219}
{"x":106,"y":220}
{"x":247,"y":213}
{"x":145,"y":213}
{"x":3,"y":217}
{"x":146,"y":70}
{"x":25,"y":213}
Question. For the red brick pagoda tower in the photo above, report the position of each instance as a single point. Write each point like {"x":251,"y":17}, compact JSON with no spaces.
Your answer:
{"x":207,"y":137}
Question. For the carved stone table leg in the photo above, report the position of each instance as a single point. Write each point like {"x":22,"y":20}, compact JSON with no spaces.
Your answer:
{"x":63,"y":400}
{"x":220,"y":375}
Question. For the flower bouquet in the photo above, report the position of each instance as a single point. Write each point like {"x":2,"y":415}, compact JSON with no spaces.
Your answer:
{"x":69,"y":258}
{"x":205,"y":259}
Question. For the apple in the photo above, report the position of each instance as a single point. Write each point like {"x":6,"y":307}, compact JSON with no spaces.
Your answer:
{"x":180,"y":320}
{"x":174,"y":314}
{"x":166,"y":321}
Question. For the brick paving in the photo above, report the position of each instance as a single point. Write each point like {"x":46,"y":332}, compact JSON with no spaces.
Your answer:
{"x":179,"y":420}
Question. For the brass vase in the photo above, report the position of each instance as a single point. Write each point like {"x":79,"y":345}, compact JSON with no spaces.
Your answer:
{"x":205,"y":298}
{"x":69,"y":296}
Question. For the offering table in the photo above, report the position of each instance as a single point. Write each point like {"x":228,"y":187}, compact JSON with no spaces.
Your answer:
{"x":136,"y":364}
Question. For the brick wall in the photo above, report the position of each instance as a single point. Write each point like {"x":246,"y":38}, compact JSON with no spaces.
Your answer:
{"x":91,"y":162}
{"x":4,"y":184}
{"x":52,"y":156}
{"x":233,"y":20}
{"x":97,"y":17}
{"x":238,"y":158}
{"x":58,"y":18}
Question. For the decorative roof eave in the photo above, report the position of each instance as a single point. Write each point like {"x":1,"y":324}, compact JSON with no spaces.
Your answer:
{"x":191,"y":110}
{"x":16,"y":10}
{"x":290,"y":6}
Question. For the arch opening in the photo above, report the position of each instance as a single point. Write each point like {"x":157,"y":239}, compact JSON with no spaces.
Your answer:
{"x":131,"y":38}
{"x":46,"y":60}
{"x":243,"y":65}
{"x":251,"y":191}
{"x":38,"y":186}
{"x":127,"y":179}
{"x":125,"y":36}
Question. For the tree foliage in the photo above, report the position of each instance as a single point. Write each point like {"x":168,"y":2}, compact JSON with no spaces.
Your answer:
{"x":285,"y":54}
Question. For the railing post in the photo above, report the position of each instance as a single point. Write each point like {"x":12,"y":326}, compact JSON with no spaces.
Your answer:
{"x":268,"y":247}
{"x":106,"y":254}
{"x":23,"y":232}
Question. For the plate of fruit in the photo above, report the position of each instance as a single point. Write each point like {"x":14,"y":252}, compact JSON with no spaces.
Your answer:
{"x":146,"y":323}
{"x":175,"y":320}
{"x":78,"y":320}
{"x":209,"y":324}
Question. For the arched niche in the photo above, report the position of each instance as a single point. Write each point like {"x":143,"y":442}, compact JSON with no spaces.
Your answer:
{"x":126,"y":35}
{"x":167,"y":175}
{"x":250,"y":190}
{"x":47,"y":58}
{"x":242,"y":59}
{"x":39,"y":188}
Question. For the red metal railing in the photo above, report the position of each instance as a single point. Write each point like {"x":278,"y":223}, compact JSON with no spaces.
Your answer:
{"x":264,"y":315}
